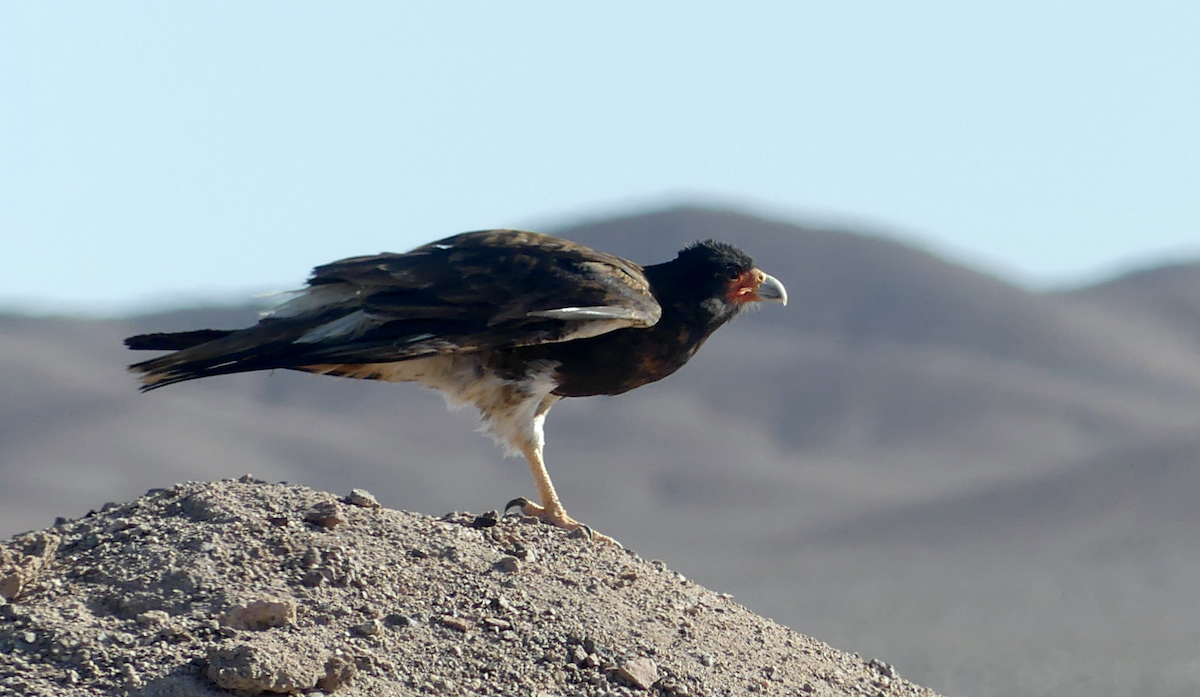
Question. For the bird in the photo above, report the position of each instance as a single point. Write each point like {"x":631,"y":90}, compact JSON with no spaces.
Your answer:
{"x":507,"y":321}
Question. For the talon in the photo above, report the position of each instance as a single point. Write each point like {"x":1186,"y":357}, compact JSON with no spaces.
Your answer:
{"x":559,"y":519}
{"x":519,"y":502}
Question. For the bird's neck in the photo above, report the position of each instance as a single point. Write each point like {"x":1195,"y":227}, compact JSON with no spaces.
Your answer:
{"x":685,"y":302}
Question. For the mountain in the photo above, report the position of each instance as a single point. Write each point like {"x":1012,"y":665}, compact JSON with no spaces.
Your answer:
{"x":909,"y":443}
{"x":1168,"y":295}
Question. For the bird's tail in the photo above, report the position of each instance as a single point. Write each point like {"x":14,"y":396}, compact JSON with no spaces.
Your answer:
{"x":204,"y":353}
{"x":174,"y":341}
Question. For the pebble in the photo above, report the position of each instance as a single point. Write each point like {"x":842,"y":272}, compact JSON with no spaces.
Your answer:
{"x":369,"y":628}
{"x":152,"y":618}
{"x":641,"y":672}
{"x":362,"y":498}
{"x":326,"y":514}
{"x":261,"y":614}
{"x":462,"y":625}
{"x":395,"y":619}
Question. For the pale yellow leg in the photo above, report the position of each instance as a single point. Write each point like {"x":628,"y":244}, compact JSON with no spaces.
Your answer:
{"x":551,"y":511}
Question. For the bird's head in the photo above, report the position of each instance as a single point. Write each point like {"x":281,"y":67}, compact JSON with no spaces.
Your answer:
{"x":720,"y":280}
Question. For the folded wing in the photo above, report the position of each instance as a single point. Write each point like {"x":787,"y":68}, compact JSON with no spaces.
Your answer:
{"x":471,"y":292}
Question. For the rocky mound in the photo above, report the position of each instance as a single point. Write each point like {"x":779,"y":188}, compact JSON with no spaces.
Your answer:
{"x":205,"y":588}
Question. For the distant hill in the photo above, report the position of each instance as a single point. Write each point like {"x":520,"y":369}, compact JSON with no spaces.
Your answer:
{"x":907,"y":436}
{"x":1169,"y":294}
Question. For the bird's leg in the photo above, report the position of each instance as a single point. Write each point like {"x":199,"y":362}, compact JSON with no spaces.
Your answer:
{"x":551,"y":510}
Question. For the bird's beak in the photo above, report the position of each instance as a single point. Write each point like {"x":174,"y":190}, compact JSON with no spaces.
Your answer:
{"x":771,"y":289}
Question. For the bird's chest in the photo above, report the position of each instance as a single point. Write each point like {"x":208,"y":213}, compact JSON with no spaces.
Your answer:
{"x":620,"y":361}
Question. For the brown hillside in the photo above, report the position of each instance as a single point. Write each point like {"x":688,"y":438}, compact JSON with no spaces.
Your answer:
{"x":206,"y":588}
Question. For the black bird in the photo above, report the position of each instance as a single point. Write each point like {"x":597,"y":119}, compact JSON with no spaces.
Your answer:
{"x":505,"y":320}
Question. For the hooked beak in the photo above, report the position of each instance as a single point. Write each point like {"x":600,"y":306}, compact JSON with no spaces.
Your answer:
{"x":771,"y":289}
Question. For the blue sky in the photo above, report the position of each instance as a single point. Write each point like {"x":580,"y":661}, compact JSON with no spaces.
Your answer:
{"x":157,"y":153}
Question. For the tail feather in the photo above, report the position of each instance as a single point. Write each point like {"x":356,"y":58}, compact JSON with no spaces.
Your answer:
{"x":176,"y":340}
{"x":268,"y":345}
{"x":291,"y":343}
{"x":209,"y":352}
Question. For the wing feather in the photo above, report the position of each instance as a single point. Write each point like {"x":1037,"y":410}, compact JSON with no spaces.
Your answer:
{"x":481,"y":290}
{"x":467,"y":293}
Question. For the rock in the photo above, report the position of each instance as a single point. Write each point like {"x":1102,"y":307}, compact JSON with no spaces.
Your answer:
{"x":260,"y":614}
{"x":487,"y":520}
{"x":326,"y":514}
{"x":369,"y":628}
{"x":642,"y":672}
{"x":362,"y":498}
{"x":153,"y":618}
{"x":258,"y":669}
{"x":21,"y":563}
{"x":395,"y":619}
{"x":462,"y":625}
{"x":338,"y":672}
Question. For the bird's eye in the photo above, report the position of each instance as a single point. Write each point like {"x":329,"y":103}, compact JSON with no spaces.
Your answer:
{"x":732,"y":274}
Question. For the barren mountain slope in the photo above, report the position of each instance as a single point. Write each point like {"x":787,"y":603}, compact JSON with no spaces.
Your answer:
{"x":246,"y":586}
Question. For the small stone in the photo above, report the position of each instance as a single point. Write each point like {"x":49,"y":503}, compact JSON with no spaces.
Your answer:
{"x":261,"y":614}
{"x":369,"y":628}
{"x":123,"y":638}
{"x":497,"y":623}
{"x":642,"y":672}
{"x":508,"y":563}
{"x":328,"y":515}
{"x":462,"y":625}
{"x":255,"y":670}
{"x":882,"y":668}
{"x":395,"y":619}
{"x":131,"y":677}
{"x":362,"y":498}
{"x":152,"y":618}
{"x":487,"y":520}
{"x":338,"y":672}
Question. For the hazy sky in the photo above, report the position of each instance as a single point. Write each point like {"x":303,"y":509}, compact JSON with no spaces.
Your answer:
{"x":153,"y":152}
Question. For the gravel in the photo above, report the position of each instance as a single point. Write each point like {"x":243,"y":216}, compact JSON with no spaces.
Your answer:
{"x":257,"y":588}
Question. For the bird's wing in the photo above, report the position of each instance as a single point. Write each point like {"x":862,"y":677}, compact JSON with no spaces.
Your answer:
{"x":470,"y":292}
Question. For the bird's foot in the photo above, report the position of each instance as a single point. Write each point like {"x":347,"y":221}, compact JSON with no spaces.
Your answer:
{"x":558,"y":518}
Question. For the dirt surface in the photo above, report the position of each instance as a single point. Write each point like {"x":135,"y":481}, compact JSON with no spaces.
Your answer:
{"x":206,"y":588}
